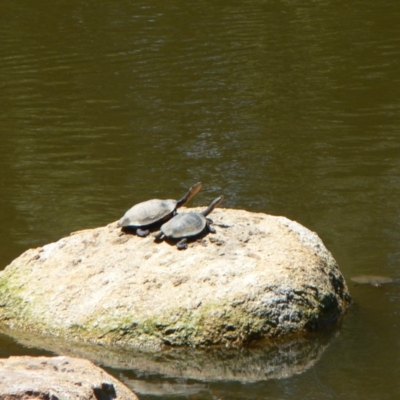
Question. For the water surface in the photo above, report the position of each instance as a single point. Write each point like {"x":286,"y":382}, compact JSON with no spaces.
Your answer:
{"x":289,"y":108}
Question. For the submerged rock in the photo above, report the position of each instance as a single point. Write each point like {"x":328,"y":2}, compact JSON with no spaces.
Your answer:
{"x":373,"y":280}
{"x":58,"y":378}
{"x":259,"y":276}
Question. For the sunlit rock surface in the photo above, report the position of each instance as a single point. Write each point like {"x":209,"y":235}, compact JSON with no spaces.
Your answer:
{"x":258,"y":276}
{"x":58,"y":378}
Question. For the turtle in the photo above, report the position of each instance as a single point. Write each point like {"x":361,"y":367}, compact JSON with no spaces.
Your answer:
{"x":143,"y":216}
{"x":188,"y":225}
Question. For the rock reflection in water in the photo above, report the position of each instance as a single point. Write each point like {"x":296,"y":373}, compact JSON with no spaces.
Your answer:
{"x":171,"y":369}
{"x":164,"y":388}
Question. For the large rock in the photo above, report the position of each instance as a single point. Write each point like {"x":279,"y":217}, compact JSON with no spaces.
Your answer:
{"x":259,"y":276}
{"x":58,"y":378}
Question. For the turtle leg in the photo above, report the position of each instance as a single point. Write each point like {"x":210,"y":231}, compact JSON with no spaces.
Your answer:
{"x":142,"y":232}
{"x":210,"y":228}
{"x":159,"y":236}
{"x":182,"y":244}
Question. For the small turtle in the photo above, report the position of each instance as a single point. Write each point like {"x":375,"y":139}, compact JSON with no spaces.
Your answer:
{"x":188,"y":225}
{"x":141,"y":217}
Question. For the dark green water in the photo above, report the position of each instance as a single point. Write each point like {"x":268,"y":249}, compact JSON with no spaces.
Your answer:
{"x":286,"y":107}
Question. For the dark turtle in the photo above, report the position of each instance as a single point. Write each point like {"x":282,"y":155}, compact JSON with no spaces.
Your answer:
{"x":188,"y":225}
{"x":141,"y":217}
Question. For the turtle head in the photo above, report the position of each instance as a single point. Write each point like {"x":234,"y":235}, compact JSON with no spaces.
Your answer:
{"x":190,"y":193}
{"x":215,"y":203}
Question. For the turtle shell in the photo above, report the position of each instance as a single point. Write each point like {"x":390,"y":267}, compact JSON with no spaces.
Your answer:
{"x":184,"y":225}
{"x":148,"y":212}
